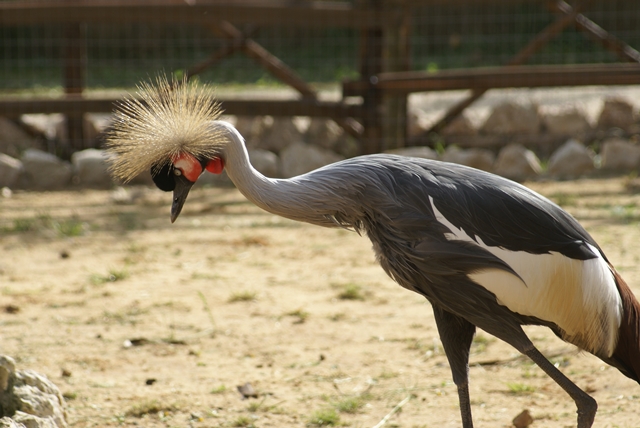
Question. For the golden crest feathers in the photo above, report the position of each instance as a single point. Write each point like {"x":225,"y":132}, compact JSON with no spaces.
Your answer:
{"x":163,"y":121}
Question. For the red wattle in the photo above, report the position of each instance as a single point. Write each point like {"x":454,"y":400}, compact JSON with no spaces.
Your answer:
{"x":215,"y":166}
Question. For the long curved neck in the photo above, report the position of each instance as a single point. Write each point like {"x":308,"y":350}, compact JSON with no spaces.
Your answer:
{"x":295,"y":199}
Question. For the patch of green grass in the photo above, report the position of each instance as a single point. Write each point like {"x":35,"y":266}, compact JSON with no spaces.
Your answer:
{"x":350,"y":291}
{"x":112,"y":276}
{"x":520,"y":388}
{"x":324,"y":417}
{"x":150,"y":407}
{"x":243,"y":296}
{"x":349,"y":405}
{"x":243,"y":421}
{"x":70,"y":227}
{"x":220,"y":389}
{"x":300,"y":315}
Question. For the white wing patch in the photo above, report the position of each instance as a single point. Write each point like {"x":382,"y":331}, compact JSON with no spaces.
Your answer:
{"x":579,"y":296}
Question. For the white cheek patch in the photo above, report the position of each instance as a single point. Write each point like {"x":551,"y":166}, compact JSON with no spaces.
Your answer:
{"x":580,"y":296}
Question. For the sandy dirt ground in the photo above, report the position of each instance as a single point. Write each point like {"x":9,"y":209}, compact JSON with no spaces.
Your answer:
{"x":144,"y":323}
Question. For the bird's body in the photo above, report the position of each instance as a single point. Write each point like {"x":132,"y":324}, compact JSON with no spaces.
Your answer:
{"x":486,"y":252}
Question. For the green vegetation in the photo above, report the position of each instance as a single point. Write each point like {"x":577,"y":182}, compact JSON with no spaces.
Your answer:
{"x":112,"y":276}
{"x":243,"y":296}
{"x":324,"y":417}
{"x":350,"y":291}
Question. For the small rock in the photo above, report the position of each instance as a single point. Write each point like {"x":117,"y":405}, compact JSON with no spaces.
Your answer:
{"x":300,"y":158}
{"x":475,"y":158}
{"x":523,"y":420}
{"x":10,"y":169}
{"x":572,"y":159}
{"x":619,"y":155}
{"x":517,"y":163}
{"x":616,"y":113}
{"x":324,"y":133}
{"x":45,"y":171}
{"x":512,"y":118}
{"x":247,"y":391}
{"x":415,"y":152}
{"x":150,"y":381}
{"x":11,"y":309}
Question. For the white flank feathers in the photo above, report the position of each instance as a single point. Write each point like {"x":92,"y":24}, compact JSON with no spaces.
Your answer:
{"x":578,"y":296}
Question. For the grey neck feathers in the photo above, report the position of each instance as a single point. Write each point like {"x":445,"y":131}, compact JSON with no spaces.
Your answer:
{"x":296,"y":198}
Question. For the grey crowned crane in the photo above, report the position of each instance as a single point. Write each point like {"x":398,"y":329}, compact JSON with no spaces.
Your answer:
{"x":485,"y":251}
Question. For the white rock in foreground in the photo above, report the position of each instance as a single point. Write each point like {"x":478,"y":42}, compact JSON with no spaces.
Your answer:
{"x":29,"y":398}
{"x":572,"y":159}
{"x":616,"y":113}
{"x":517,"y":163}
{"x":568,"y":121}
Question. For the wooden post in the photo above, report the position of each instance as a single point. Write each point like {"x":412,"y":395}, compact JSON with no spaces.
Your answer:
{"x":370,"y":67}
{"x":396,"y":57}
{"x":75,"y":59}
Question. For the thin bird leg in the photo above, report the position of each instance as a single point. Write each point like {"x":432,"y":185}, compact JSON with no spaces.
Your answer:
{"x":456,"y":335}
{"x":587,"y":406}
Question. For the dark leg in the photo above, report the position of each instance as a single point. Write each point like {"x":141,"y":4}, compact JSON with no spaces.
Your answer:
{"x":456,"y":335}
{"x":516,"y":337}
{"x":587,"y":406}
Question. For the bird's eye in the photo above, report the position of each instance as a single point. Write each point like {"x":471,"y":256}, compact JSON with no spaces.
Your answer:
{"x":177,"y":172}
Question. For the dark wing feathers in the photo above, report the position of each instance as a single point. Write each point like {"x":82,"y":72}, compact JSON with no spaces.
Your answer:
{"x":498,"y":211}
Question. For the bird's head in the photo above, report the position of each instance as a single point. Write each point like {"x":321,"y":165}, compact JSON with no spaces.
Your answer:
{"x":170,"y":129}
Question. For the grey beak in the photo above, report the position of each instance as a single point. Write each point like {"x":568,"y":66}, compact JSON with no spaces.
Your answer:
{"x":180,"y":193}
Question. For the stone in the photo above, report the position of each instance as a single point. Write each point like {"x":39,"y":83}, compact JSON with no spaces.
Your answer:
{"x":280,"y":135}
{"x":415,"y":152}
{"x":324,"y":133}
{"x":566,"y":121}
{"x":46,"y":125}
{"x":28,"y":398}
{"x":461,"y":125}
{"x":10,"y":170}
{"x":476,"y":158}
{"x":265,"y":162}
{"x":7,"y":422}
{"x":616,"y":113}
{"x":252,"y":128}
{"x":572,"y":159}
{"x":13,"y":140}
{"x":300,"y":158}
{"x":44,"y":171}
{"x":91,"y":168}
{"x":516,"y":162}
{"x":512,"y":118}
{"x":416,"y":125}
{"x":618,"y":154}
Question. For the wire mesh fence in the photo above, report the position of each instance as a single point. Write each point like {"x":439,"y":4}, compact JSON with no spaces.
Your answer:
{"x":40,"y":52}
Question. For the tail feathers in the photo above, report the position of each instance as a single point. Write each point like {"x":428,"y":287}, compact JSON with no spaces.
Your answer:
{"x":626,"y":356}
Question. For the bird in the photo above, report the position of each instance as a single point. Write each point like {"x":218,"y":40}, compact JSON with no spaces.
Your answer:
{"x":485,"y":251}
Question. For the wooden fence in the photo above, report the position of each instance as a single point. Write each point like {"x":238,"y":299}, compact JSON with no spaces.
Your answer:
{"x":384,"y":82}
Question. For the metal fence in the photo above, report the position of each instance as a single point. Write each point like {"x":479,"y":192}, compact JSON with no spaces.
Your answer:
{"x":50,"y":49}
